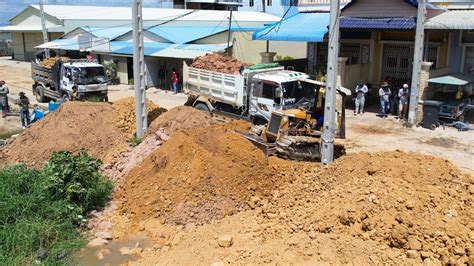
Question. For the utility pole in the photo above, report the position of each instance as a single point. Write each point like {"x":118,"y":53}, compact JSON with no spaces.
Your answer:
{"x":139,"y":69}
{"x":229,"y":33}
{"x":45,"y":30}
{"x":417,"y":60}
{"x":327,"y":146}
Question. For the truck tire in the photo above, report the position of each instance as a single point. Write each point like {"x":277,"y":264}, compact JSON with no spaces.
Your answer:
{"x":39,"y":94}
{"x":202,"y":107}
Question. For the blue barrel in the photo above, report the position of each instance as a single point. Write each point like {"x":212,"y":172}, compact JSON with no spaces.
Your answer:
{"x":53,"y":106}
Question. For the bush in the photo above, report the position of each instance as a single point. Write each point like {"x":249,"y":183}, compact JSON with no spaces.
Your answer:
{"x":40,"y":210}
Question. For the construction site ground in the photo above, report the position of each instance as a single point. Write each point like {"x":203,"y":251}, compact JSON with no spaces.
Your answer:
{"x":195,"y":192}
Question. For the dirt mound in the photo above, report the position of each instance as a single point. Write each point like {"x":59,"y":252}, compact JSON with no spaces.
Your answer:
{"x":219,"y":63}
{"x":73,"y":126}
{"x":198,"y":176}
{"x":181,"y":118}
{"x":421,"y":206}
{"x":124,"y":117}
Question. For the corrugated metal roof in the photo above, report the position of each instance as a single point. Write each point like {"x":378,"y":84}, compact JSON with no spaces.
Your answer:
{"x":457,"y":79}
{"x":377,"y":23}
{"x":70,"y":12}
{"x":62,"y":44}
{"x":301,"y":27}
{"x":185,"y":34}
{"x":109,"y":33}
{"x":188,"y":51}
{"x":150,"y":48}
{"x":30,"y":28}
{"x":452,"y":20}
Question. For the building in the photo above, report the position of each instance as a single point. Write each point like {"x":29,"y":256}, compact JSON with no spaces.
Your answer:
{"x":26,"y":27}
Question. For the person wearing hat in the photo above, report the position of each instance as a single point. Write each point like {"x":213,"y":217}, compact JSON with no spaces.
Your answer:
{"x":361,"y":89}
{"x":24,"y":104}
{"x":403,"y":94}
{"x":384,"y":93}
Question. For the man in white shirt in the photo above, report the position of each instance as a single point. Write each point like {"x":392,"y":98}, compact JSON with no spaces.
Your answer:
{"x":361,"y":89}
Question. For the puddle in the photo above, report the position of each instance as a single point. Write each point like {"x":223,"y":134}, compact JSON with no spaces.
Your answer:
{"x":112,"y":256}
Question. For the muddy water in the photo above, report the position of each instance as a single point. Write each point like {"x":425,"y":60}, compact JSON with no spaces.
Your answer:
{"x":112,"y":256}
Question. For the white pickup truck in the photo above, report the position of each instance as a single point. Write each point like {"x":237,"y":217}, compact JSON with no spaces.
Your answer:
{"x":253,"y":94}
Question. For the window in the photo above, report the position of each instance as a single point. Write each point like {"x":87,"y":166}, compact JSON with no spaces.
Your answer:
{"x":269,"y":2}
{"x":251,"y":3}
{"x":268,"y":91}
{"x":431,"y":55}
{"x":351,"y":51}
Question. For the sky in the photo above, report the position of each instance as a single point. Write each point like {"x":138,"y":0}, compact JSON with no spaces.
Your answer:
{"x":9,"y":8}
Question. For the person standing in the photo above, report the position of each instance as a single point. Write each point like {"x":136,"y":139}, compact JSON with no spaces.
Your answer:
{"x":162,"y":77}
{"x":384,"y":93}
{"x":24,"y":104}
{"x":174,"y":81}
{"x":361,"y":89}
{"x":403,"y":94}
{"x":4,"y":98}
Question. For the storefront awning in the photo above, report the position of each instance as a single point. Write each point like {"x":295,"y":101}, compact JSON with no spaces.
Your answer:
{"x":452,"y":20}
{"x":457,"y":79}
{"x":301,"y":27}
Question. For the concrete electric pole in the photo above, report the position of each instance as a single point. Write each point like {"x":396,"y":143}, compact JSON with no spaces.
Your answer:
{"x":45,"y":30}
{"x":417,"y":60}
{"x":139,"y":69}
{"x":327,"y":146}
{"x":229,"y":33}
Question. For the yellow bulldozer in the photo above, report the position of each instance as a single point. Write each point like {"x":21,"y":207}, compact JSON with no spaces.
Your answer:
{"x":295,"y":134}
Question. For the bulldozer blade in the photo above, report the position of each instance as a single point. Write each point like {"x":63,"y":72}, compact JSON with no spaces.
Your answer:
{"x":267,"y":148}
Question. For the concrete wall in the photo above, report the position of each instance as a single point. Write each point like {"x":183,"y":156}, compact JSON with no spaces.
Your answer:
{"x":354,"y":73}
{"x":248,"y":51}
{"x":31,"y":40}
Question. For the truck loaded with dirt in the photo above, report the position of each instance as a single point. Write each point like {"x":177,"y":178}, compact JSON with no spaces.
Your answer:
{"x":68,"y":79}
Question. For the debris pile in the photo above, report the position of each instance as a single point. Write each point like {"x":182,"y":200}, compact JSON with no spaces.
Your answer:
{"x":198,"y":176}
{"x":75,"y":125}
{"x":181,"y":118}
{"x":49,"y":62}
{"x":124,"y":117}
{"x":418,"y":205}
{"x":219,"y":63}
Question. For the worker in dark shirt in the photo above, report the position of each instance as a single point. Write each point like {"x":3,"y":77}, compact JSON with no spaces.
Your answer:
{"x":24,"y":104}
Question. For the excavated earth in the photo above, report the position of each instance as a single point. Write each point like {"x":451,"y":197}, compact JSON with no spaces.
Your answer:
{"x":74,"y":126}
{"x":218,"y":63}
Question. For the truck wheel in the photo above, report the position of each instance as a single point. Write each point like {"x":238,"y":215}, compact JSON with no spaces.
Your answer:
{"x":39,"y":94}
{"x":202,"y":107}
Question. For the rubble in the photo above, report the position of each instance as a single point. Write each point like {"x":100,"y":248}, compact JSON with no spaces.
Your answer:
{"x":218,"y":63}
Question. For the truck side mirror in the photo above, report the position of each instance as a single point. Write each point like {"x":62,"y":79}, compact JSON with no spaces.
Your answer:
{"x":278,"y":92}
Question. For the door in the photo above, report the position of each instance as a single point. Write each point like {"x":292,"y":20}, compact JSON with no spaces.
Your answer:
{"x":66,"y":79}
{"x":397,"y":63}
{"x":262,"y":101}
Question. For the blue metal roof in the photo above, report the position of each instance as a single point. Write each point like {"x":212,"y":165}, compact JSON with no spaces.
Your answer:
{"x":120,"y":47}
{"x":109,"y":33}
{"x":185,"y":34}
{"x":408,"y":23}
{"x":300,"y":27}
{"x":201,"y":47}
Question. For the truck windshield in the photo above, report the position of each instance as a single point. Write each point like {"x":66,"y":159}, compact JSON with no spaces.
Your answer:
{"x":296,"y":92}
{"x":91,"y":75}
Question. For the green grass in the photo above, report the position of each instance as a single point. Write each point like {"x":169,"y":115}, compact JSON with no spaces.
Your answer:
{"x":135,"y":141}
{"x":42,"y":210}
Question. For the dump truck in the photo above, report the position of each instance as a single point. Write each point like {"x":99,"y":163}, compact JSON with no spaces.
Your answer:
{"x":71,"y":79}
{"x":252,"y":94}
{"x":285,"y":106}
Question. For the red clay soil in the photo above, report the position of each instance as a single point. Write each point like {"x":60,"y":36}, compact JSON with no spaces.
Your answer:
{"x":197,"y":176}
{"x":75,"y":125}
{"x":218,"y":63}
{"x":181,"y":118}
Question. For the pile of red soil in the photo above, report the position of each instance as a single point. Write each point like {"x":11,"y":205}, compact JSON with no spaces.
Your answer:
{"x":74,"y":126}
{"x":197,"y":176}
{"x":420,"y":206}
{"x":218,"y":63}
{"x":124,"y":117}
{"x":181,"y":118}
